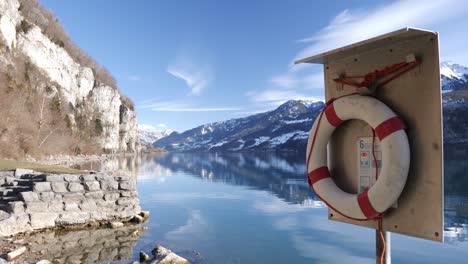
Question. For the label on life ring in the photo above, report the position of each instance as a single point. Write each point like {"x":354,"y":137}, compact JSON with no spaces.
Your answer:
{"x":366,"y":164}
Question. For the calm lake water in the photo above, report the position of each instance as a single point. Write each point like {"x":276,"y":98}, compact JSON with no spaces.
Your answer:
{"x":258,"y":208}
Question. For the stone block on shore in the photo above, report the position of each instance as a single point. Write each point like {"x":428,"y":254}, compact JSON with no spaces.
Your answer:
{"x":22,"y":222}
{"x":7,"y":226}
{"x":124,"y":201}
{"x":127,"y":185}
{"x":99,"y":216}
{"x":73,"y":197}
{"x":4,"y":215}
{"x":72,"y":218}
{"x":29,"y":196}
{"x":75,"y":187}
{"x":38,"y":207}
{"x":16,"y":207}
{"x":88,"y":205}
{"x":49,"y":196}
{"x":16,"y":253}
{"x":145,"y":214}
{"x":42,"y":187}
{"x":42,"y":220}
{"x":126,"y":194}
{"x":92,"y":186}
{"x":54,"y":178}
{"x":163,"y":255}
{"x":105,"y":204}
{"x":71,"y":207}
{"x":51,"y":200}
{"x":116,"y":224}
{"x":59,"y":187}
{"x":56,"y":206}
{"x":111,"y":196}
{"x":103,"y":177}
{"x":71,"y":177}
{"x":87,"y":177}
{"x":109,"y":185}
{"x":20,"y":172}
{"x":94,"y":195}
{"x":9,"y":179}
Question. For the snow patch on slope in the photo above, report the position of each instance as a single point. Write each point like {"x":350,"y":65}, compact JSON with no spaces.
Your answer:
{"x":285,"y":137}
{"x":259,"y":141}
{"x":297,"y":121}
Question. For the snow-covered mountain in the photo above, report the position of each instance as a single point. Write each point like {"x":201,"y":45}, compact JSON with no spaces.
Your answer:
{"x":149,"y":134}
{"x":285,"y":128}
{"x":455,"y":102}
{"x":454,"y":76}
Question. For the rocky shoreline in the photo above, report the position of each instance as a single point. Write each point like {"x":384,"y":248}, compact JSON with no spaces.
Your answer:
{"x":83,"y":245}
{"x":72,"y":218}
{"x":34,"y":200}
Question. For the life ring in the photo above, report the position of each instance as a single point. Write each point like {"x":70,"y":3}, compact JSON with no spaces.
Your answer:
{"x":389,"y":128}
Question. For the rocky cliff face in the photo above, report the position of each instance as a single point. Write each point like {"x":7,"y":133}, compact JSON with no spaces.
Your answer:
{"x":89,"y":102}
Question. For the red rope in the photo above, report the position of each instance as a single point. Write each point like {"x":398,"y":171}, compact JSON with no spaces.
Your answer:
{"x":397,"y":70}
{"x":373,"y":155}
{"x":380,"y":220}
{"x":382,"y":238}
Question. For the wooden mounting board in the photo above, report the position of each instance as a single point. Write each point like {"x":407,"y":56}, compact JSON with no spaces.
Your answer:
{"x":416,"y":97}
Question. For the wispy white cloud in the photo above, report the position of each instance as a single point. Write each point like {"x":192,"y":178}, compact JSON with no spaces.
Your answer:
{"x":196,"y":227}
{"x":134,"y":78}
{"x":276,"y":206}
{"x":276,"y":96}
{"x":196,"y":77}
{"x":146,"y":127}
{"x":351,"y":26}
{"x":252,"y":112}
{"x":306,"y":81}
{"x":175,"y":197}
{"x":314,"y":81}
{"x":299,"y":80}
{"x":284,"y":80}
{"x":175,"y":106}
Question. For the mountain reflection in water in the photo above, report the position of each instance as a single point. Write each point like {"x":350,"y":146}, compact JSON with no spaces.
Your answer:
{"x":283,"y":174}
{"x":239,"y":207}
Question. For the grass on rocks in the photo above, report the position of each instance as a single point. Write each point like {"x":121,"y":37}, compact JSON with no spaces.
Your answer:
{"x":14,"y":164}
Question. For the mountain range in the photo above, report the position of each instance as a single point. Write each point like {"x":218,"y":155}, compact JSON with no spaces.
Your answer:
{"x":453,"y":76}
{"x":148,"y":134}
{"x":287,"y":127}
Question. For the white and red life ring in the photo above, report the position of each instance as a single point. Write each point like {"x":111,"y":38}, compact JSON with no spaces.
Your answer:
{"x":389,"y":128}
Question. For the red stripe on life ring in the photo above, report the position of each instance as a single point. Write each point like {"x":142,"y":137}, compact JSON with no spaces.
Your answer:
{"x":332,"y":118}
{"x":389,"y":126}
{"x":318,"y":174}
{"x":366,"y":206}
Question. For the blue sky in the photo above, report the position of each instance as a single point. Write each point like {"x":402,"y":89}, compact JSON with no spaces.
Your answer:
{"x":186,"y":63}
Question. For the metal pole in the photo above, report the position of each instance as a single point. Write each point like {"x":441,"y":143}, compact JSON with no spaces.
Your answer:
{"x":387,"y":259}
